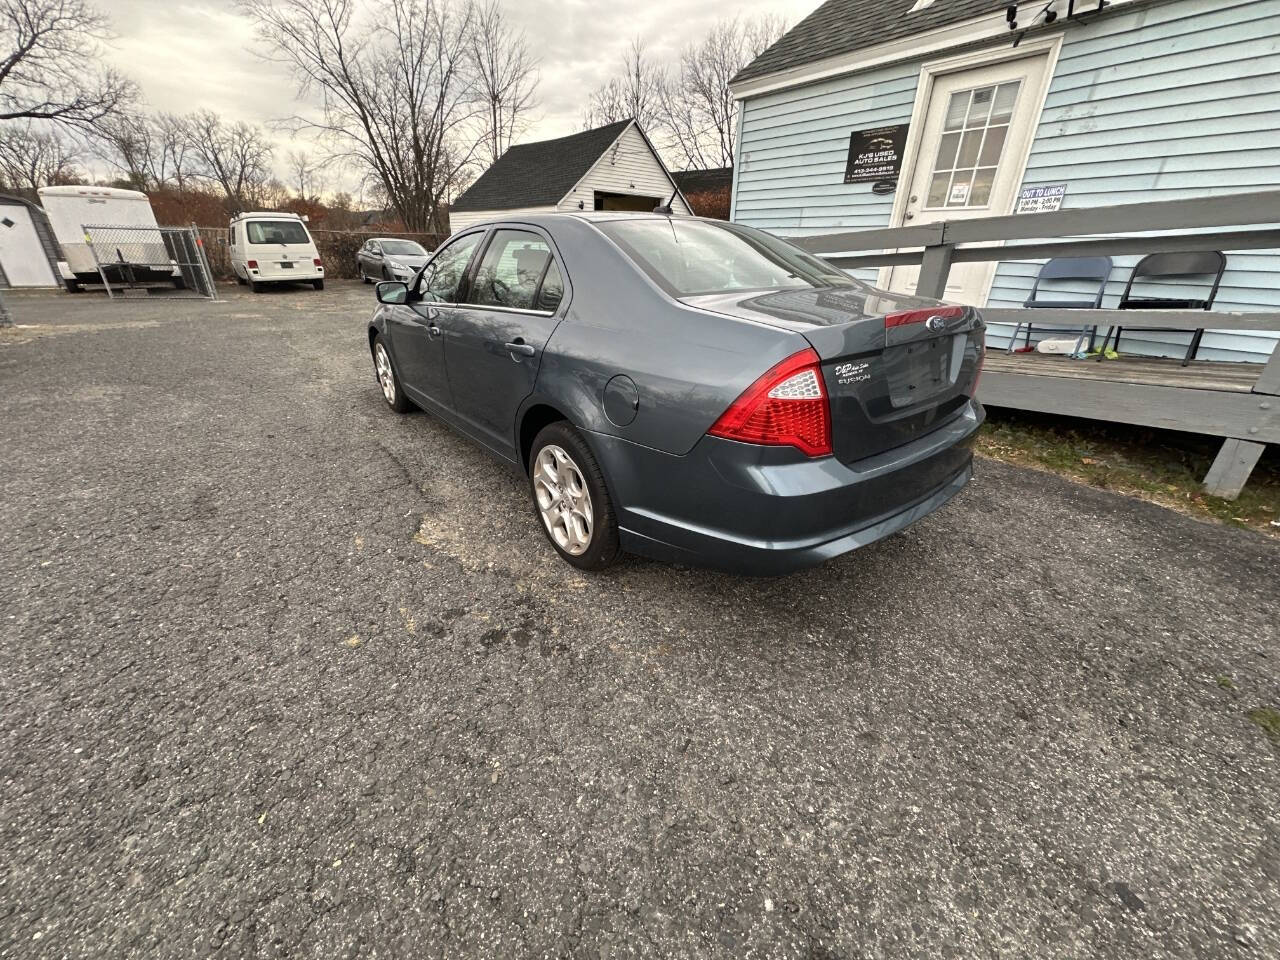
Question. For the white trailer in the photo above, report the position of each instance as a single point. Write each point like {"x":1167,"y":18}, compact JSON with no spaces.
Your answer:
{"x":143,"y":258}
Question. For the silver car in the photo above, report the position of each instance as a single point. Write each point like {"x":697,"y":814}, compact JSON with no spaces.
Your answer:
{"x":389,"y":258}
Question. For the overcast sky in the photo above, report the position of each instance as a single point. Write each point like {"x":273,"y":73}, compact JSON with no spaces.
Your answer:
{"x":193,"y":54}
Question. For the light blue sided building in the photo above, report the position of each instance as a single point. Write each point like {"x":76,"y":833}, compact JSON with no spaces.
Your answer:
{"x":1142,"y":100}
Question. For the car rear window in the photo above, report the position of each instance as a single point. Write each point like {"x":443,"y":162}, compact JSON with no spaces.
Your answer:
{"x":276,"y":231}
{"x":691,"y":257}
{"x":404,"y":248}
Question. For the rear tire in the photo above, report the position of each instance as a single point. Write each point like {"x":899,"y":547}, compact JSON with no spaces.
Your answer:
{"x":241,"y":280}
{"x":256,"y":287}
{"x":385,"y":370}
{"x":571,"y":500}
{"x":318,"y":284}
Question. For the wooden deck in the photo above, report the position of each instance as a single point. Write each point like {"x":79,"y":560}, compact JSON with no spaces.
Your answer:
{"x":1218,"y":399}
{"x":1150,"y":371}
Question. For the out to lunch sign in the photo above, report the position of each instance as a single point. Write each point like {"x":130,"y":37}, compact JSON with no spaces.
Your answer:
{"x":875,"y":154}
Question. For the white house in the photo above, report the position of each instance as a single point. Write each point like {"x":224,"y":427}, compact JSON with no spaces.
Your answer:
{"x":1093,"y":105}
{"x":610,"y":168}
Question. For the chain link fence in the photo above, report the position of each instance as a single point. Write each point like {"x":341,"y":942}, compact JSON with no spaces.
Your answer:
{"x":337,"y":248}
{"x":150,"y":261}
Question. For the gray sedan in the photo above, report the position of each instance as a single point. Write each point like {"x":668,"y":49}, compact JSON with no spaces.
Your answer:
{"x":687,"y":389}
{"x":388,"y":258}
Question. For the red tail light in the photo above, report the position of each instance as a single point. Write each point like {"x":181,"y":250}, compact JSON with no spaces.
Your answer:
{"x":787,"y":407}
{"x":920,"y":316}
{"x":253,"y":264}
{"x":317,"y":261}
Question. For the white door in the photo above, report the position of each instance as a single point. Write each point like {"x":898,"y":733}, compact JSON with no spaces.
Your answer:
{"x":21,"y":254}
{"x":977,"y":129}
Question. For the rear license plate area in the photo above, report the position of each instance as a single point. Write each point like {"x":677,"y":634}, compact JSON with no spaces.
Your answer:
{"x":917,"y":371}
{"x":286,"y":265}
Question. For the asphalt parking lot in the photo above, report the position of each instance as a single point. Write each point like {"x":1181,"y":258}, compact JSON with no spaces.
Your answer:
{"x":288,"y":675}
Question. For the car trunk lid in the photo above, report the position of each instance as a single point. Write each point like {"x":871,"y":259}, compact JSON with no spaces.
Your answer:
{"x":894,"y":367}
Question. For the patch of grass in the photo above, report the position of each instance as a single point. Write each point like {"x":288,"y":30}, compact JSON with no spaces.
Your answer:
{"x":1224,"y":682}
{"x":1158,"y":465}
{"x":1268,"y":718}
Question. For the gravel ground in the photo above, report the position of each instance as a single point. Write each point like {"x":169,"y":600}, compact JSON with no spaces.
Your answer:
{"x":285,"y":674}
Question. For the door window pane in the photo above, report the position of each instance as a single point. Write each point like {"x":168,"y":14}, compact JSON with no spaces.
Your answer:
{"x":947,"y":151}
{"x":510,"y":270}
{"x":552,"y":291}
{"x":1002,"y":107}
{"x":449,"y":267}
{"x":971,"y":145}
{"x":980,"y":109}
{"x":938,"y":190}
{"x":980,"y":192}
{"x":992,"y":146}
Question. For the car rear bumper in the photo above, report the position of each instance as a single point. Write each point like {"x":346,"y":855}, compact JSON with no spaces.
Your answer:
{"x":767,"y":511}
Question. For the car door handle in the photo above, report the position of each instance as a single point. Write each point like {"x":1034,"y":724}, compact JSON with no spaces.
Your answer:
{"x":519,"y":346}
{"x":433,"y":330}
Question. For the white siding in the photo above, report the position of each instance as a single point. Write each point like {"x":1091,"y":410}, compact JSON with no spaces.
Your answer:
{"x":629,"y":166}
{"x":1163,"y":102}
{"x":469,"y":218}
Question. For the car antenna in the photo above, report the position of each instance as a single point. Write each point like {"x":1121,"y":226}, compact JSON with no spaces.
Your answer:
{"x":665,"y":208}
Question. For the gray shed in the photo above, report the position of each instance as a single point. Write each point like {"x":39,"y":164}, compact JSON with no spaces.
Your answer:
{"x":29,"y":253}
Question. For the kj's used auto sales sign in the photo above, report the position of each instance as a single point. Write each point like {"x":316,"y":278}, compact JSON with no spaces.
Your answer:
{"x":875,"y":154}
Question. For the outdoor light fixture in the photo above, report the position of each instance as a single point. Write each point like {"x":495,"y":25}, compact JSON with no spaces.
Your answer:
{"x":1050,"y":11}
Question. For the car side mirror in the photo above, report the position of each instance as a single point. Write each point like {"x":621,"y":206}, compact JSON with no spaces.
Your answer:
{"x":392,"y":291}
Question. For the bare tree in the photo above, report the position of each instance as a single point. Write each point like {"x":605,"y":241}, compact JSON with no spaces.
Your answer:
{"x":127,"y":142}
{"x":31,"y":158}
{"x":698,"y":112}
{"x":304,"y":173}
{"x":507,"y":78}
{"x":49,"y":64}
{"x":397,"y":85}
{"x":235,"y":157}
{"x":634,"y":93}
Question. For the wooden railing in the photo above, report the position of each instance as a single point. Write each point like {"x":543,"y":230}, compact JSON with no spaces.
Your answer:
{"x":1247,"y":421}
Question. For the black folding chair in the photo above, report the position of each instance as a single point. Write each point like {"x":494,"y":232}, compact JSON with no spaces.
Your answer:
{"x":1199,"y":263}
{"x":1094,"y":269}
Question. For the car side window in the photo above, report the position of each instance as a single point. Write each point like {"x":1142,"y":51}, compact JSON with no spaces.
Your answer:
{"x":552,"y":290}
{"x":510,"y":270}
{"x":445,"y":274}
{"x":233,"y":235}
{"x":374,"y":247}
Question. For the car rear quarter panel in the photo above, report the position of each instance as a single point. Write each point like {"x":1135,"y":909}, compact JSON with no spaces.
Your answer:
{"x":688,"y":365}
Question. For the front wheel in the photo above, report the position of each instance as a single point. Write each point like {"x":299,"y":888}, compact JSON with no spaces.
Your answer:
{"x":571,"y":499}
{"x":387,"y":379}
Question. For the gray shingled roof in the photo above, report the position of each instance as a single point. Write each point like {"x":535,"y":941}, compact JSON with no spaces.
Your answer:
{"x":843,"y":26}
{"x":538,"y":174}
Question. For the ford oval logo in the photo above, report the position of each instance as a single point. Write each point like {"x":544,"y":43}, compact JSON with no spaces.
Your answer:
{"x":935,"y":323}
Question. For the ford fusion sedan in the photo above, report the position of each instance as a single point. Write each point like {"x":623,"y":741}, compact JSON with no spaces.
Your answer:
{"x":387,"y":258}
{"x":691,"y":390}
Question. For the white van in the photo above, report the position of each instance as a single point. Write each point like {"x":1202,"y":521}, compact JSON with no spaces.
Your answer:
{"x":274,"y":248}
{"x":140,"y":257}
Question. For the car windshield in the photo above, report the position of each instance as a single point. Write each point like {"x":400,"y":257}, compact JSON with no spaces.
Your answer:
{"x":402,"y":248}
{"x":276,"y":231}
{"x":691,"y":257}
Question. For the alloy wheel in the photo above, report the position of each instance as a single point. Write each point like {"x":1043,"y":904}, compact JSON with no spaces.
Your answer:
{"x":386,"y":377}
{"x":564,"y":502}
